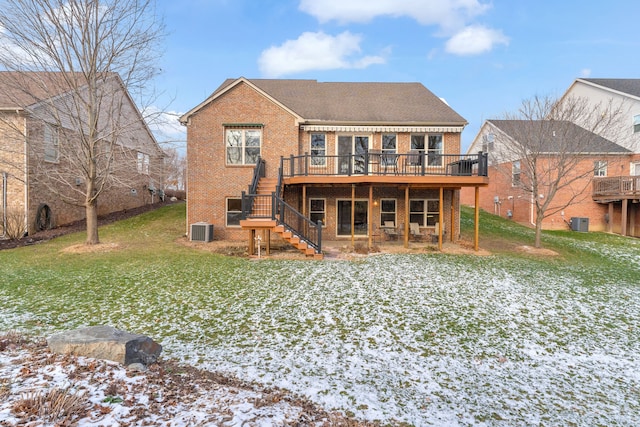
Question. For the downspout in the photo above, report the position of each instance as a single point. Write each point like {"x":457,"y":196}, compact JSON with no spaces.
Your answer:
{"x":26,"y":176}
{"x":4,"y":203}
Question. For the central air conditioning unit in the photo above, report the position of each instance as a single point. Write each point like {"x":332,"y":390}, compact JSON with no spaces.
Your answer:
{"x":201,"y":232}
{"x":580,"y":224}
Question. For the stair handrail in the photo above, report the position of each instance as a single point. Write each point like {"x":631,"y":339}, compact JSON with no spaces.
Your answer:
{"x":288,"y":216}
{"x":259,"y":171}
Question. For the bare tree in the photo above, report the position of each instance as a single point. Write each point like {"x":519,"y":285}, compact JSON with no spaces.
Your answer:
{"x":95,"y":56}
{"x":175,"y":169}
{"x":550,"y":154}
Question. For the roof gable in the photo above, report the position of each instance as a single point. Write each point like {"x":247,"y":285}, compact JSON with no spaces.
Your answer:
{"x":595,"y":143}
{"x":627,"y":86}
{"x":370,"y":103}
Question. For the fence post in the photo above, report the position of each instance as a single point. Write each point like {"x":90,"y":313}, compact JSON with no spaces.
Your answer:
{"x":319,"y":228}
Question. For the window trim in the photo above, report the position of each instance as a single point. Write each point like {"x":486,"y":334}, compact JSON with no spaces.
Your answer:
{"x":636,"y":123}
{"x":393,"y":150}
{"x":322,"y":158}
{"x":51,"y":140}
{"x":395,"y":211}
{"x":634,"y":167}
{"x":143,"y":163}
{"x":227,"y":211}
{"x":515,"y":182}
{"x":243,"y":129}
{"x":426,"y":213}
{"x":324,"y":211}
{"x":600,"y":168}
{"x":434,"y":157}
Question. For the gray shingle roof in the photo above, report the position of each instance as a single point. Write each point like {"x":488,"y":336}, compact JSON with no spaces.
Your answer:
{"x":586,"y":141}
{"x":371,"y":103}
{"x":19,"y":90}
{"x":629,"y":86}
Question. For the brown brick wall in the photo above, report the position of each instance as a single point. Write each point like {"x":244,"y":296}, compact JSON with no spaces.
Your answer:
{"x":210,"y":181}
{"x":519,"y":203}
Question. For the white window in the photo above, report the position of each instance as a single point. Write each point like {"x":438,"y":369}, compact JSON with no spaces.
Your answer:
{"x":317,"y":211}
{"x":51,"y":143}
{"x":389,"y":143}
{"x":599,"y":168}
{"x":515,"y":173}
{"x":387,"y":211}
{"x":635,"y":169}
{"x":234,"y":212}
{"x":424,"y":212}
{"x":318,"y":149}
{"x":143,"y":163}
{"x":487,"y":142}
{"x":243,"y":146}
{"x":636,"y":123}
{"x":434,"y":147}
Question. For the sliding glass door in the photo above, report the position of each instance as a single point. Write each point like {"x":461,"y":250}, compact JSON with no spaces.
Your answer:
{"x":361,"y":220}
{"x":352,"y":150}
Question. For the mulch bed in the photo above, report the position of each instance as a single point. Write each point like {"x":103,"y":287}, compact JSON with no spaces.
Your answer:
{"x":45,"y":235}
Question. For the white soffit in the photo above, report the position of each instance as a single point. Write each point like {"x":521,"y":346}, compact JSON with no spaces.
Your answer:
{"x":347,"y":128}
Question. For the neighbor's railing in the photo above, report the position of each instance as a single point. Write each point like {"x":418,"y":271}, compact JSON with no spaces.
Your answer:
{"x":616,"y":186}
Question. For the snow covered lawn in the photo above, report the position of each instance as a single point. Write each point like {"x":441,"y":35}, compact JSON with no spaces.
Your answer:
{"x":426,"y":339}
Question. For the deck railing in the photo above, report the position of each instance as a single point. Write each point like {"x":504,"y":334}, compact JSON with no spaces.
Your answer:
{"x":386,"y":163}
{"x":300,"y":225}
{"x":616,"y":186}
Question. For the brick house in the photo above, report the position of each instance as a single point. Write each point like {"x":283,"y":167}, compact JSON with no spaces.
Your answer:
{"x":369,"y":160}
{"x":506,"y":195}
{"x":611,"y":196}
{"x":40,"y":179}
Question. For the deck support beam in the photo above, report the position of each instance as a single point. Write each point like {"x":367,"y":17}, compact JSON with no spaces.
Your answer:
{"x":441,"y":216}
{"x":610,"y":222}
{"x":476,"y":222}
{"x":623,"y":220}
{"x":405,"y":232}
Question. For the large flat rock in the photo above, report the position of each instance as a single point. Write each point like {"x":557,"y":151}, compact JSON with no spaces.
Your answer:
{"x":106,"y":342}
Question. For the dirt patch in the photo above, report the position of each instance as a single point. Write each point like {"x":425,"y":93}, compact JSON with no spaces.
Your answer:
{"x":89,"y":249}
{"x":536,"y":251}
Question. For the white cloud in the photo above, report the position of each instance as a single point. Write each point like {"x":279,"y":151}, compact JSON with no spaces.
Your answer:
{"x":585,"y":72}
{"x":315,"y":51}
{"x":165,"y":126}
{"x":448,"y":14}
{"x":474,"y":40}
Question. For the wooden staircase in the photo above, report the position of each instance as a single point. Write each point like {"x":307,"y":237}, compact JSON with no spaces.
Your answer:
{"x":260,"y":218}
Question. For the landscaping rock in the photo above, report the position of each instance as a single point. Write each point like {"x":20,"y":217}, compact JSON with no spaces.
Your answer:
{"x":108,"y":343}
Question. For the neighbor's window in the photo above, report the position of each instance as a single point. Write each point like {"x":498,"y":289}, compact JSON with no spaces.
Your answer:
{"x":318,"y":149}
{"x":143,"y":163}
{"x":515,"y":173}
{"x":487,"y":142}
{"x":234,"y":212}
{"x":317,"y":211}
{"x":424,"y":212}
{"x":387,"y":211}
{"x":636,"y":123}
{"x":635,"y":169}
{"x":599,"y":168}
{"x":51,"y":143}
{"x":243,"y":146}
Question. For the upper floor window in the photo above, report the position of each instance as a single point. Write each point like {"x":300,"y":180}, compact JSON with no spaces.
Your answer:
{"x":318,"y":149}
{"x":487,"y":142}
{"x":389,"y":143}
{"x":434,"y":147}
{"x":51,"y":143}
{"x":635,"y":169}
{"x":143,"y":163}
{"x":243,"y":146}
{"x":599,"y":168}
{"x":515,"y":173}
{"x":636,"y":123}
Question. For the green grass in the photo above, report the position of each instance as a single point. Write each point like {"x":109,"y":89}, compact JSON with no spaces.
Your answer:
{"x":366,"y":334}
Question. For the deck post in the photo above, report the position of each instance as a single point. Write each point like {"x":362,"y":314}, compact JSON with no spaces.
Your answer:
{"x":632,"y":220}
{"x":405,"y":232}
{"x":623,"y":220}
{"x":610,"y":222}
{"x":453,"y":219}
{"x":370,"y":216}
{"x":476,"y":224}
{"x":353,"y":215}
{"x":441,"y":214}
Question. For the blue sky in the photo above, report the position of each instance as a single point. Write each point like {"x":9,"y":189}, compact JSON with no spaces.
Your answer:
{"x":483,"y":57}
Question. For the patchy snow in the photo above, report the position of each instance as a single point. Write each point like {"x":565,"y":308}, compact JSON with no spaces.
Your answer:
{"x":420,"y":339}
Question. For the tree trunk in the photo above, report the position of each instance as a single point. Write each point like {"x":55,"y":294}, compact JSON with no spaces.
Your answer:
{"x":539,"y":218}
{"x":91,"y":210}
